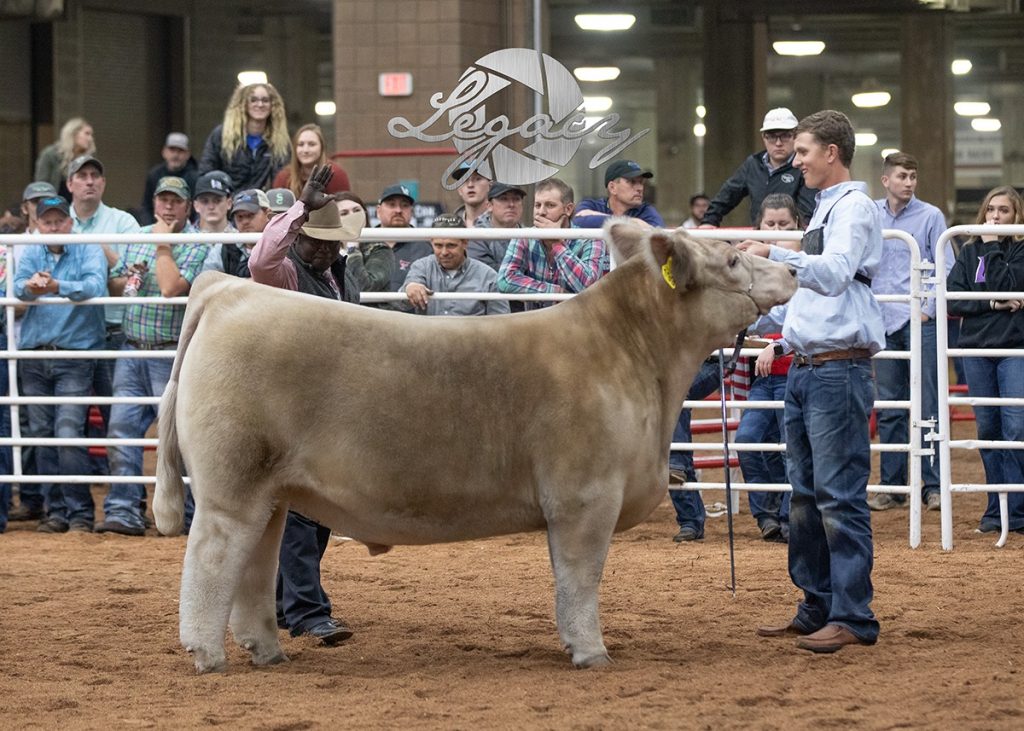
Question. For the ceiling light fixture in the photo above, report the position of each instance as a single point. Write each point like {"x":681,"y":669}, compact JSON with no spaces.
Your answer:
{"x":245,"y":78}
{"x":986,"y":124}
{"x":865,"y":139}
{"x":798,"y":48}
{"x":961,"y":66}
{"x":596,"y":73}
{"x":699,"y":130}
{"x":701,"y":111}
{"x":867,"y":99}
{"x":972,"y":109}
{"x":325,"y":108}
{"x":605,"y":21}
{"x":886,"y":151}
{"x":597,"y":103}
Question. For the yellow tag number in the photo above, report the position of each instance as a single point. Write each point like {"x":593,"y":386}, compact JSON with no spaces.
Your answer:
{"x":666,"y":272}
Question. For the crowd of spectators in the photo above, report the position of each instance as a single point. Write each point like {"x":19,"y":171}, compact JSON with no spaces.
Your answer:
{"x":251,"y":171}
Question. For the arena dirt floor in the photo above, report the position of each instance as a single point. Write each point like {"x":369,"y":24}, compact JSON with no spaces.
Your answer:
{"x":462,"y":637}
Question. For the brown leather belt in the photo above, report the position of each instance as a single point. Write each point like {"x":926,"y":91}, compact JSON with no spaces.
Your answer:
{"x":166,"y":345}
{"x":819,"y":358}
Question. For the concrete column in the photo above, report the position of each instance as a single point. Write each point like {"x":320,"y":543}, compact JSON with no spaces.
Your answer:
{"x":926,"y":115}
{"x":735,"y":93}
{"x":679,"y":151}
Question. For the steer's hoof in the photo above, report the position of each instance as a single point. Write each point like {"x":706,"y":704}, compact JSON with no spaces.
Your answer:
{"x":207,"y":662}
{"x":591,"y":661}
{"x":269,"y":658}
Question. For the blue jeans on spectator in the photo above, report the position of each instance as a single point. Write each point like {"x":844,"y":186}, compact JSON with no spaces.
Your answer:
{"x":302,"y":602}
{"x":6,"y":462}
{"x":828,"y":455}
{"x":999,"y":377}
{"x":72,"y":502}
{"x":763,"y":425}
{"x":893,"y":381}
{"x":30,"y":494}
{"x":134,"y":377}
{"x":952,"y":338}
{"x":688,"y":504}
{"x":103,"y":385}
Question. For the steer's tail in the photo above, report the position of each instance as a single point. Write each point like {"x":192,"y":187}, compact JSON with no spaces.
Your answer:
{"x":169,"y":500}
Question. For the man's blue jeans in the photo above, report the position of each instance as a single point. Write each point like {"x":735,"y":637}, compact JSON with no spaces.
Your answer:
{"x":893,"y":381}
{"x":828,"y":455}
{"x":134,"y":377}
{"x":688,"y":504}
{"x":302,"y":602}
{"x":999,"y":377}
{"x":764,"y":425}
{"x":70,"y":502}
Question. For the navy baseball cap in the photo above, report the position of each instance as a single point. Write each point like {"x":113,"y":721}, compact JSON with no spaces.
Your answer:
{"x":499,"y":189}
{"x":628,"y":169}
{"x":251,"y":200}
{"x":396,"y":190}
{"x":52,"y":203}
{"x":215,"y":182}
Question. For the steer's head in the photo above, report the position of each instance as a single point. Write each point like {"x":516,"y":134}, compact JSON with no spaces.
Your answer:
{"x":734,"y":287}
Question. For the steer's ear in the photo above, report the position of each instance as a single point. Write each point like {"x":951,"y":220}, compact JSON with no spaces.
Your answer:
{"x":675,"y":259}
{"x":623,"y":238}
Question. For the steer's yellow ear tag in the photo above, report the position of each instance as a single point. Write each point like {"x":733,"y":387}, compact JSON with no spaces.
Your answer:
{"x":666,"y":273}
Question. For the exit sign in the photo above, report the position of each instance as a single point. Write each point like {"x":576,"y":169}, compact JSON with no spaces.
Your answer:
{"x":395,"y":83}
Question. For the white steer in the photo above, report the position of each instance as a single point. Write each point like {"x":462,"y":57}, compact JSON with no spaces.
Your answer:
{"x":557,"y":420}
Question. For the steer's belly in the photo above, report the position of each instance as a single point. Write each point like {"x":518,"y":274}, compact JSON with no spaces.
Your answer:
{"x":386,"y":521}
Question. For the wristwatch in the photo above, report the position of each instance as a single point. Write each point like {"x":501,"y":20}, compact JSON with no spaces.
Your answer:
{"x":778,"y":350}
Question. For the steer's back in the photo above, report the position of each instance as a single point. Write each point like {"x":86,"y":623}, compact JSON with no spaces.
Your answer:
{"x":494,"y":415}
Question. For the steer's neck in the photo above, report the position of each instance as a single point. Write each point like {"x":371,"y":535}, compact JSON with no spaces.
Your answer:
{"x":641,"y":316}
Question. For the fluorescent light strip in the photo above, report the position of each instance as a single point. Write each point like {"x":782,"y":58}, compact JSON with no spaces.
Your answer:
{"x":597,"y":103}
{"x":972,"y":109}
{"x":605,"y":21}
{"x":596,"y":73}
{"x":869,"y":99}
{"x":245,"y":78}
{"x":866,"y":139}
{"x":961,"y":66}
{"x":798,"y":48}
{"x":986,"y":124}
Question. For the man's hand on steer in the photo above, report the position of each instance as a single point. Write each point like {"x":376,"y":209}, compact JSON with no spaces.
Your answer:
{"x":313,"y":195}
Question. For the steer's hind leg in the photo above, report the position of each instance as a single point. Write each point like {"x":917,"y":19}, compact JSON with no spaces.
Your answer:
{"x":578,"y":543}
{"x":253,"y":617}
{"x":219,"y":545}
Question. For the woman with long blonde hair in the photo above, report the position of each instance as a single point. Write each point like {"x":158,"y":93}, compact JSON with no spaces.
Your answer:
{"x":75,"y":139}
{"x":251,"y":145}
{"x":992,"y":263}
{"x":310,"y":151}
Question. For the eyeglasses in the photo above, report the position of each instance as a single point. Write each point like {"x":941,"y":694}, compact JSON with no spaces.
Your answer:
{"x":259,"y":100}
{"x":778,"y":136}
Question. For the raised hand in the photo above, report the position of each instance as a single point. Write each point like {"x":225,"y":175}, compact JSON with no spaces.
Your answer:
{"x":313,"y":195}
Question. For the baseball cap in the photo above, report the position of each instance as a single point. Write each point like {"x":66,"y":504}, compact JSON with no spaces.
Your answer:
{"x":396,"y":190}
{"x":216,"y":182}
{"x":628,"y":169}
{"x":53,"y":203}
{"x":38,"y":189}
{"x":178,"y":140}
{"x":463,"y":168}
{"x":281,"y":199}
{"x":779,"y":118}
{"x":499,"y":189}
{"x":173,"y":184}
{"x":251,"y":200}
{"x":81,"y":161}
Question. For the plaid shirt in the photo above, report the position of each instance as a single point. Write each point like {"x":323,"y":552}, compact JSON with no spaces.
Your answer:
{"x":158,"y":324}
{"x":570,"y":266}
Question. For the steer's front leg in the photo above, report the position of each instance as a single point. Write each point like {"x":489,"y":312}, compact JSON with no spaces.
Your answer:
{"x":578,"y":541}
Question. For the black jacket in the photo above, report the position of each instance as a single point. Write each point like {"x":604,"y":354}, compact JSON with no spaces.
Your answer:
{"x":752,"y":178}
{"x":1003,"y":271}
{"x":247,"y":169}
{"x":189,"y":173}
